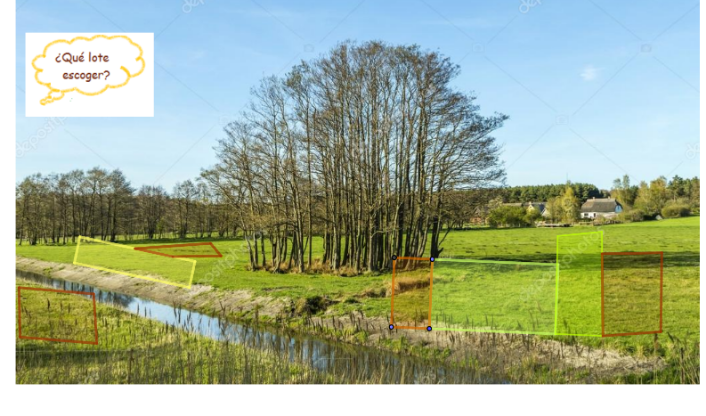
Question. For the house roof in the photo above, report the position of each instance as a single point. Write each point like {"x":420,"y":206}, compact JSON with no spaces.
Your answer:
{"x":600,"y":205}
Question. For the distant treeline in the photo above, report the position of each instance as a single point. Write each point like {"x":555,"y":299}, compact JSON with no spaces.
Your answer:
{"x":57,"y":208}
{"x":677,"y":189}
{"x":543,"y":193}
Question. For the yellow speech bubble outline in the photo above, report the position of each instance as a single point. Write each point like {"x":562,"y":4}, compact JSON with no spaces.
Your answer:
{"x":49,"y":99}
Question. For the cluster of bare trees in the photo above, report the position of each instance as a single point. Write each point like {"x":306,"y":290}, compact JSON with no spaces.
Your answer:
{"x":361,"y":146}
{"x":366,"y":147}
{"x":57,"y":208}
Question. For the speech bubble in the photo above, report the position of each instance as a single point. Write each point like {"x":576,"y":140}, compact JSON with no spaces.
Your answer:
{"x":89,"y":66}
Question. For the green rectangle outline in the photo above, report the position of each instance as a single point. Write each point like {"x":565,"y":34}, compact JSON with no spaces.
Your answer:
{"x":556,"y":306}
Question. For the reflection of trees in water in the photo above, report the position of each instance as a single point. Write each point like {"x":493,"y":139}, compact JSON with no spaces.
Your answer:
{"x":117,"y":299}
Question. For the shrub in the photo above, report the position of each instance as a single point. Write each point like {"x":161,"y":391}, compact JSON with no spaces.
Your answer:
{"x":311,"y":305}
{"x":676,"y":210}
{"x":508,"y":216}
{"x":601,"y":221}
{"x":632,"y":215}
{"x":532,"y":216}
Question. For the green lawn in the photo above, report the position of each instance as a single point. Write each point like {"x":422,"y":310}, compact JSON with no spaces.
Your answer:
{"x":677,"y":238}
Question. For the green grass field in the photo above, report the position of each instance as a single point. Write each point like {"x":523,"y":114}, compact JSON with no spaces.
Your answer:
{"x":125,"y":260}
{"x":492,"y":297}
{"x":677,"y":238}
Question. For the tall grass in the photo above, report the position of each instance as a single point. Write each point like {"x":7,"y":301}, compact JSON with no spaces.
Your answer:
{"x":164,"y":354}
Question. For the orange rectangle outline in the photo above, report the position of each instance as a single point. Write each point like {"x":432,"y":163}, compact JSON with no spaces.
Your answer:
{"x":392,"y":296}
{"x":661,"y":290}
{"x":149,"y":249}
{"x":19,"y":314}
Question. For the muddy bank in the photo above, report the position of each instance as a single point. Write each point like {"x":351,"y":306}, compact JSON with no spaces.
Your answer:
{"x":510,"y":352}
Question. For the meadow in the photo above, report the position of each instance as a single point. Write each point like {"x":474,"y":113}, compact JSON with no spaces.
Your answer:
{"x":369,"y":293}
{"x":495,"y":297}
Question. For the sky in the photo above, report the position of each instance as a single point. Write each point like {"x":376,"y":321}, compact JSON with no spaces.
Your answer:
{"x":594,"y":89}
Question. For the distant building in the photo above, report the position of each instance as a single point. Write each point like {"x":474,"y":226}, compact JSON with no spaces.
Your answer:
{"x":601,"y":207}
{"x":537,"y":206}
{"x":480,"y":215}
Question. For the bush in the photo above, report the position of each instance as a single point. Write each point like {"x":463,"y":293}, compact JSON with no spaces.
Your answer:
{"x":632,"y":215}
{"x":508,"y":216}
{"x":695,"y":209}
{"x":601,"y":221}
{"x":311,"y":305}
{"x":676,"y":210}
{"x":532,"y":216}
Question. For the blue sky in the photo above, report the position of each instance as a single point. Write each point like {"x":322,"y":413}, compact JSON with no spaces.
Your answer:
{"x":594,"y":89}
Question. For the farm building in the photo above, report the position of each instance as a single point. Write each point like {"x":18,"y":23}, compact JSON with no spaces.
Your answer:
{"x":601,"y":207}
{"x":538,"y":206}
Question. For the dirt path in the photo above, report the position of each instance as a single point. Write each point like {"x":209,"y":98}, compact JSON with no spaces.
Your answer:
{"x":507,"y":351}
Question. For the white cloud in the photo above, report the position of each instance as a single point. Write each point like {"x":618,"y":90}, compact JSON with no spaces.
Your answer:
{"x":590,"y":73}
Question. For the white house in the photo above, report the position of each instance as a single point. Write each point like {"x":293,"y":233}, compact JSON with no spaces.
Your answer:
{"x":601,"y":207}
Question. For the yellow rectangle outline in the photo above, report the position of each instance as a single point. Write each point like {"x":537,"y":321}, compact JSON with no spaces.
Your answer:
{"x":78,"y":246}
